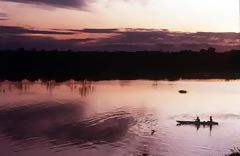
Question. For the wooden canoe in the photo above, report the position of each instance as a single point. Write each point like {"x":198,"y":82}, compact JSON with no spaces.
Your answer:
{"x":207,"y":123}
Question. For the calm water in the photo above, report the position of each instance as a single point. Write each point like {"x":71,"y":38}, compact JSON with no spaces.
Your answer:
{"x":117,"y":118}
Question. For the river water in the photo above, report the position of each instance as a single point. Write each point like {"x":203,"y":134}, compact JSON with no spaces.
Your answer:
{"x":138,"y":117}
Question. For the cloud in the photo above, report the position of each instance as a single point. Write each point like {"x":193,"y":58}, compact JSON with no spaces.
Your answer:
{"x":39,"y":42}
{"x":144,"y":39}
{"x":79,"y":40}
{"x":143,"y":2}
{"x":72,"y":4}
{"x":55,"y":3}
{"x":21,"y":30}
{"x":118,"y":39}
{"x":4,"y":19}
{"x":95,"y":30}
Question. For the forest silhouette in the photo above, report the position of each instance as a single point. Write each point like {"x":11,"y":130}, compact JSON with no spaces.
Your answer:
{"x":153,"y":65}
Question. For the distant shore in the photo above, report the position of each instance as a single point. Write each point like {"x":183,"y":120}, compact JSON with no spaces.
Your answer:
{"x":65,"y":65}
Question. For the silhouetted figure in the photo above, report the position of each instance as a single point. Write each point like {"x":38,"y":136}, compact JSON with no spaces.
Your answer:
{"x":211,"y":120}
{"x":197,"y":120}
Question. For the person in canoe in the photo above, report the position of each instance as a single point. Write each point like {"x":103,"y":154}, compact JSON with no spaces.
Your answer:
{"x":197,"y":120}
{"x":210,"y":120}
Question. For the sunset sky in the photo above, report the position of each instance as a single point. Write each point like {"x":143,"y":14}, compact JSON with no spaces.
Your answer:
{"x":119,"y":24}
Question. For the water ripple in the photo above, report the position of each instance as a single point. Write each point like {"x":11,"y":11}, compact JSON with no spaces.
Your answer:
{"x":61,"y":126}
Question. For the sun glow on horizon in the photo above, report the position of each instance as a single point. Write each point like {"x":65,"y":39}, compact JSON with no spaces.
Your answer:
{"x":128,"y":25}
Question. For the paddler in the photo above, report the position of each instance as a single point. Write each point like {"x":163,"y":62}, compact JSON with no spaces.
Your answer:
{"x":211,"y":120}
{"x":197,"y":120}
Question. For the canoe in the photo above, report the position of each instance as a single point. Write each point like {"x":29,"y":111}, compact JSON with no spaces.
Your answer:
{"x":208,"y":123}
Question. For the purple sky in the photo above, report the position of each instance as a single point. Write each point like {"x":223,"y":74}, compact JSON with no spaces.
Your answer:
{"x":128,"y":25}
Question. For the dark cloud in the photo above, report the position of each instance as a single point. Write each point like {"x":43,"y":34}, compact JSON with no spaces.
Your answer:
{"x":134,"y":40}
{"x":119,"y":39}
{"x":79,"y":40}
{"x":95,"y":30}
{"x":66,"y":3}
{"x":21,"y":30}
{"x":55,"y":3}
{"x":3,"y":19}
{"x":39,"y":42}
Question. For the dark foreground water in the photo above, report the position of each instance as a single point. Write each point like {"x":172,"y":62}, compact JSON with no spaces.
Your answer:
{"x":117,"y":118}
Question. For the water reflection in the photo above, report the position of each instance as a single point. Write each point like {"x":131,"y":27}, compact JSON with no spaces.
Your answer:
{"x":86,"y":88}
{"x":62,"y":124}
{"x":124,"y":83}
{"x":83,"y":87}
{"x":197,"y":126}
{"x":155,"y":84}
{"x":117,"y":117}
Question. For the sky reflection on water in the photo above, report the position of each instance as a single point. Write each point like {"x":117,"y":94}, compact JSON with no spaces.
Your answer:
{"x":117,"y":117}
